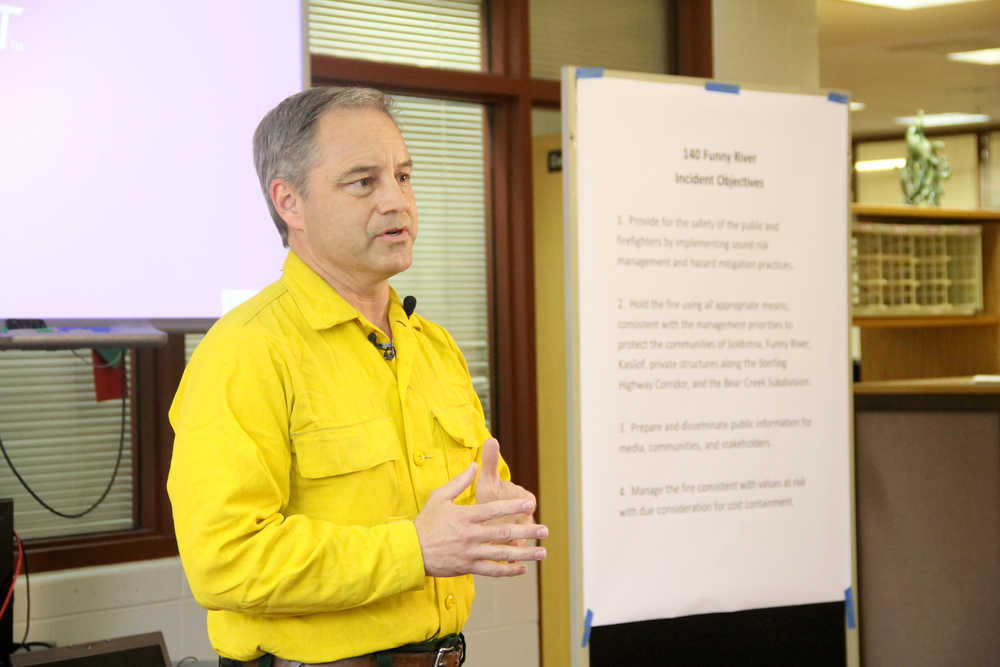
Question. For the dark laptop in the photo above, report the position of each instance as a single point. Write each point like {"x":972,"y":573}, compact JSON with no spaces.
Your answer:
{"x":146,"y":650}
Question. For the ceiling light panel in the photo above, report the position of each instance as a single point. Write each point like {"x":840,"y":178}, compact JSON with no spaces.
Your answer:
{"x":909,"y":4}
{"x":943,"y":119}
{"x":979,"y":57}
{"x":880,"y":165}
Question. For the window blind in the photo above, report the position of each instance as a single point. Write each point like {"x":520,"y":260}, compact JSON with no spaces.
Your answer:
{"x":627,"y":35}
{"x":190,"y":342}
{"x":448,"y":276}
{"x":428,"y":33}
{"x":64,"y":443}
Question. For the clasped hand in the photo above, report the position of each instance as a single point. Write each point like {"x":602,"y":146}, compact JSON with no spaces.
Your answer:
{"x":488,"y":538}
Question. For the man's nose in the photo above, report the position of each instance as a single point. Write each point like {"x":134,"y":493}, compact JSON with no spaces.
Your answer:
{"x":392,"y":197}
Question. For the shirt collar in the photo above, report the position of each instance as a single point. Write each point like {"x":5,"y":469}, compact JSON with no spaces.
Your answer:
{"x":322,"y":306}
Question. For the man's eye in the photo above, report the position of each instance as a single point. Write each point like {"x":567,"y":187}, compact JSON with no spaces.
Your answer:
{"x":362,"y":185}
{"x":404,"y":178}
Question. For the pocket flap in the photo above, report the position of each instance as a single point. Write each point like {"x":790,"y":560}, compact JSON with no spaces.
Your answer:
{"x":463,"y":424}
{"x":341,"y":450}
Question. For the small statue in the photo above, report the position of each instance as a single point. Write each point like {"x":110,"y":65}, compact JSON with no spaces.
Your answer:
{"x":925,"y":169}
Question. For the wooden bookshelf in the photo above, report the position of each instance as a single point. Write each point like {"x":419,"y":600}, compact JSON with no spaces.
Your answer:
{"x":927,"y":321}
{"x":929,"y":387}
{"x":922,"y":214}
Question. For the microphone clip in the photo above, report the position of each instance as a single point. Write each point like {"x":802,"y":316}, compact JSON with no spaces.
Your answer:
{"x":388,"y":350}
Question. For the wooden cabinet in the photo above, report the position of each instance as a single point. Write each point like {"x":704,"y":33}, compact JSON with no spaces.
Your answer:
{"x":897,"y":348}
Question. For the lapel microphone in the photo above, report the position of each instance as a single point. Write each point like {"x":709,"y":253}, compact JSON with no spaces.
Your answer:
{"x":388,"y":350}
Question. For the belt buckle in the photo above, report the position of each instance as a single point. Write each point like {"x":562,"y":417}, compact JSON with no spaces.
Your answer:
{"x":442,"y":653}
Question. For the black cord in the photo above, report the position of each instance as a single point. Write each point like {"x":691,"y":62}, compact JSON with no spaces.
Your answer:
{"x":27,"y":598}
{"x":27,"y":647}
{"x":25,"y":644}
{"x":121,"y":448}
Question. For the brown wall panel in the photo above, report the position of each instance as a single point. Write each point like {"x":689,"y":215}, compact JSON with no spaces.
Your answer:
{"x":928,"y":502}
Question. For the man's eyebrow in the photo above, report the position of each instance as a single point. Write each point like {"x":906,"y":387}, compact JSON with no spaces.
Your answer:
{"x":358,"y":171}
{"x":368,"y":168}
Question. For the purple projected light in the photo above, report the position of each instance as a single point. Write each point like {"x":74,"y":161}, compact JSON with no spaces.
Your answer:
{"x":127,"y":187}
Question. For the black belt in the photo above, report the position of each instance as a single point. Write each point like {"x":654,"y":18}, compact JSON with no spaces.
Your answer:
{"x":447,"y":651}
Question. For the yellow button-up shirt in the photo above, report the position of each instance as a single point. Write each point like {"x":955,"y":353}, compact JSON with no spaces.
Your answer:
{"x":300,"y":460}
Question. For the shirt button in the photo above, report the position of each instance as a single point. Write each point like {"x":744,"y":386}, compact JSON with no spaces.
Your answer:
{"x":449,"y":602}
{"x":419,"y":458}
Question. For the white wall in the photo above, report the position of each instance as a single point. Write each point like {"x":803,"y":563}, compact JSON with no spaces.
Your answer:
{"x":503,"y":628}
{"x":88,"y":604}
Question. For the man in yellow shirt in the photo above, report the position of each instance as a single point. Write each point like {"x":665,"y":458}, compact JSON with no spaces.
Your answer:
{"x":325,"y":480}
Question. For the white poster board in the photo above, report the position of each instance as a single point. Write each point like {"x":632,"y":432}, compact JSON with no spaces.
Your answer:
{"x":707,"y":246}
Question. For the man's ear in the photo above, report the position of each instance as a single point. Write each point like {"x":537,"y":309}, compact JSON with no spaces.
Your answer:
{"x":288,"y":203}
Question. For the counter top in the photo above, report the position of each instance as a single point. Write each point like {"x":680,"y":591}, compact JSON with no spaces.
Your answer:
{"x":967,"y":384}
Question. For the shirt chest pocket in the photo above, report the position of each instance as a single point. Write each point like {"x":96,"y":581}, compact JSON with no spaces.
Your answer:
{"x":460,"y":432}
{"x":347,"y":473}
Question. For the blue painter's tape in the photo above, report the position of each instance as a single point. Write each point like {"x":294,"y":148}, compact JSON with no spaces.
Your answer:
{"x":717,"y":87}
{"x":840,"y":98}
{"x":849,"y":607}
{"x":589,"y":72}
{"x":586,"y":628}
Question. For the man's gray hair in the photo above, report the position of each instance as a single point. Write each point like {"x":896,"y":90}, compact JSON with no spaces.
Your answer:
{"x":284,"y":144}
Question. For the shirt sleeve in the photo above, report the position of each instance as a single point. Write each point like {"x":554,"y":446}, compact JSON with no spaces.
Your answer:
{"x":474,"y":399}
{"x":229,"y":482}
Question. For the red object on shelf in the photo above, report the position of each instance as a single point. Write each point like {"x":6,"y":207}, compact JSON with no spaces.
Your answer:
{"x":107,"y":377}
